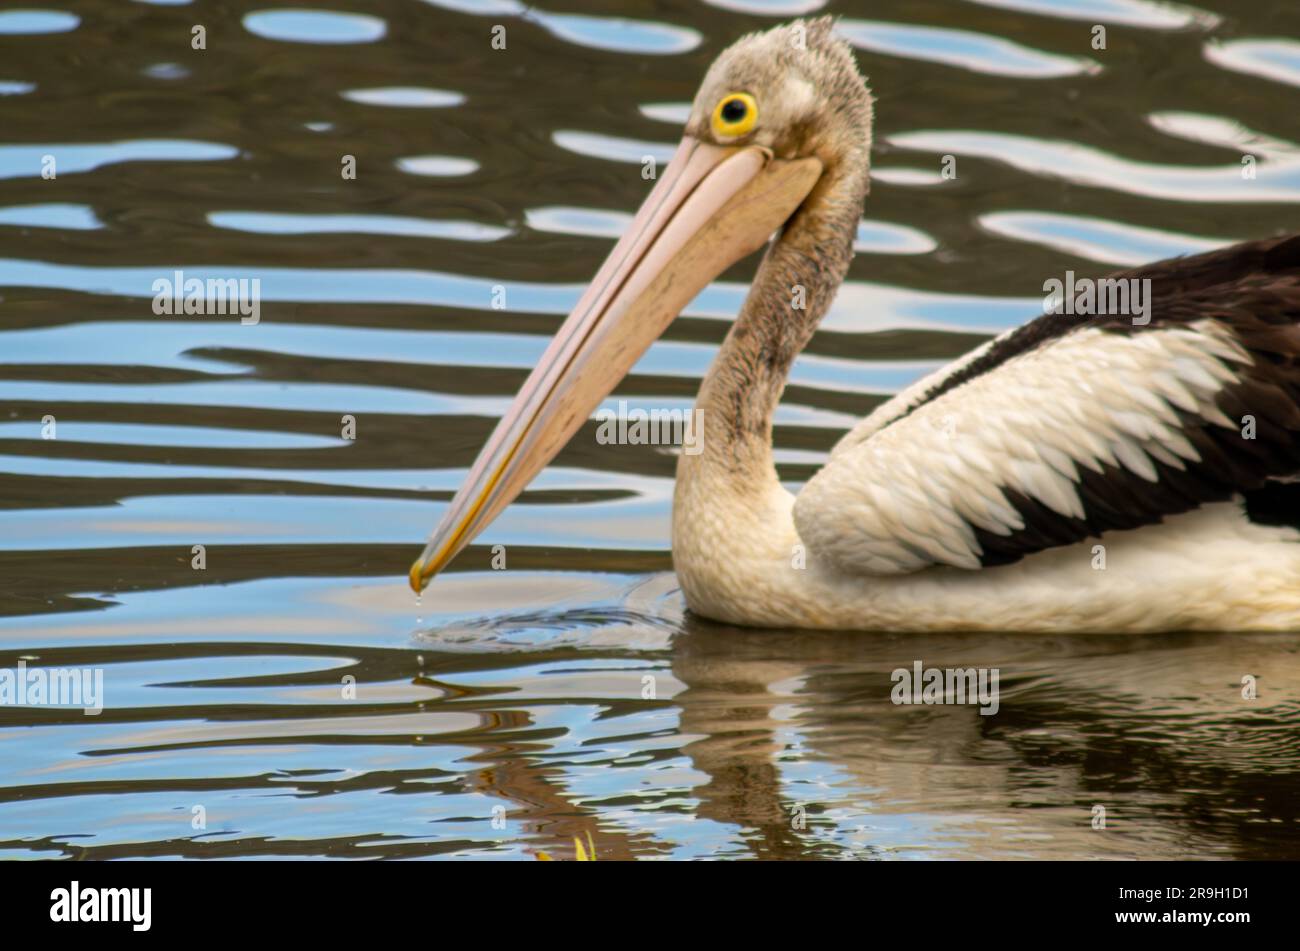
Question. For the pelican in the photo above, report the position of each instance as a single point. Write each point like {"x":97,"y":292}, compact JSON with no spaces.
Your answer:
{"x":1074,"y":474}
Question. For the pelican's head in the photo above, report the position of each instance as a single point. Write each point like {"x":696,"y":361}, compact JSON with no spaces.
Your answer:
{"x":778,"y":114}
{"x":794,"y":90}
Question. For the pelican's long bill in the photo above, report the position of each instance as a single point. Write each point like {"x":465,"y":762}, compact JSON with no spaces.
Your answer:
{"x":713,"y":206}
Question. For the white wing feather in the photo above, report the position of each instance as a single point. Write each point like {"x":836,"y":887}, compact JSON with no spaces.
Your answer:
{"x":900,"y":494}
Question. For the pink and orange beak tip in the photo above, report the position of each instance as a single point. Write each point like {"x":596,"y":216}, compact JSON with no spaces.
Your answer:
{"x":418,"y":576}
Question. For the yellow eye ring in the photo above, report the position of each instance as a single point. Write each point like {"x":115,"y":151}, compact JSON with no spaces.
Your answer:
{"x":735,"y":114}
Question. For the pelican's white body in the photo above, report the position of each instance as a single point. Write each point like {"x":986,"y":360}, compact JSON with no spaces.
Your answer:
{"x":736,"y":561}
{"x":881,"y":537}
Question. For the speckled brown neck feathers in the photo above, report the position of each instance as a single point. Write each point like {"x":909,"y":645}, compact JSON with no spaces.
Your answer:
{"x":811,"y":80}
{"x":794,"y":287}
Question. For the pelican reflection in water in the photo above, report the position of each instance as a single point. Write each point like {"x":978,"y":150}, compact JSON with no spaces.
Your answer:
{"x":981,"y":496}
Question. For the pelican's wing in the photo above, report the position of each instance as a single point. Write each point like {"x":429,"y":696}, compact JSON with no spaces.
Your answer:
{"x":1073,"y":426}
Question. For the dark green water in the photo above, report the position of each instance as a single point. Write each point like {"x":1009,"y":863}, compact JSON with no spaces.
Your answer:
{"x":522,"y":695}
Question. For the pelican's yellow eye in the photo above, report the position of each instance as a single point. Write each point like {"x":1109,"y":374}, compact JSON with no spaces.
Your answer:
{"x":735,"y":114}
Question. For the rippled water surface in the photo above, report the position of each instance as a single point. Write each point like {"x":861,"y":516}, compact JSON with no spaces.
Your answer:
{"x":569,"y":693}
